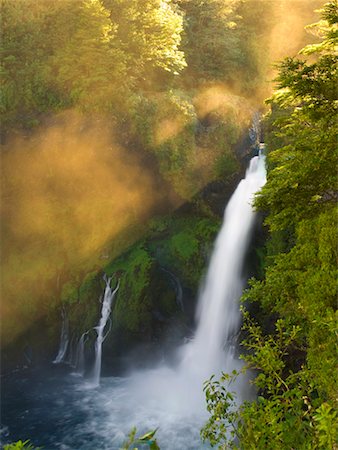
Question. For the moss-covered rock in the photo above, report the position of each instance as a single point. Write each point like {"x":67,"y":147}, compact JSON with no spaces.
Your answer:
{"x":91,"y":286}
{"x":184,"y":247}
{"x":146,"y":302}
{"x":70,"y":292}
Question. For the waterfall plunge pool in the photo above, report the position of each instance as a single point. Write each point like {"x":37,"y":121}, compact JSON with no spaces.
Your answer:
{"x":57,"y":410}
{"x":67,"y":412}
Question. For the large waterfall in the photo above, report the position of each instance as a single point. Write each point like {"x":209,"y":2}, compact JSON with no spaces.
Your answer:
{"x":167,"y":397}
{"x":218,"y":309}
{"x":172,"y":398}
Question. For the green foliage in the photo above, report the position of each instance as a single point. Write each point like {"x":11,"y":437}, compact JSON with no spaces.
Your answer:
{"x":292,"y":345}
{"x":326,"y":421}
{"x":134,"y":303}
{"x":212,"y":40}
{"x":85,"y":53}
{"x":144,"y":116}
{"x":225,"y":165}
{"x":147,"y":440}
{"x":325,"y":29}
{"x":287,"y":413}
{"x":99,"y":54}
{"x":24,"y":54}
{"x":20,"y":445}
{"x":150,"y":33}
{"x":89,"y":63}
{"x":165,"y":125}
{"x":185,"y":246}
{"x":81,"y":299}
{"x":182,"y":245}
{"x":90,"y":286}
{"x":303,"y":176}
{"x":69,"y":293}
{"x":221,"y":426}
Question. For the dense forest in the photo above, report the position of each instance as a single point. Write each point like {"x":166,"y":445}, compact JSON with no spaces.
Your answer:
{"x":125,"y":127}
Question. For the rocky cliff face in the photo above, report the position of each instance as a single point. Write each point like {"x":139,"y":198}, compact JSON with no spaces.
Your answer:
{"x":159,"y":278}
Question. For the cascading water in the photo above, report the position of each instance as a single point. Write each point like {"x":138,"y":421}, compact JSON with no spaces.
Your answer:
{"x":218,"y":312}
{"x":71,"y":358}
{"x":167,"y":397}
{"x":80,"y":355}
{"x":171,"y":398}
{"x":64,"y":339}
{"x":108,"y":297}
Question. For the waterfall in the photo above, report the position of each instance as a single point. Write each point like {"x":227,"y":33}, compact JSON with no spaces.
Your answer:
{"x":80,"y":355}
{"x":218,"y":313}
{"x":71,"y":359}
{"x":170,"y":396}
{"x":108,"y":297}
{"x":255,"y":130}
{"x":64,"y":339}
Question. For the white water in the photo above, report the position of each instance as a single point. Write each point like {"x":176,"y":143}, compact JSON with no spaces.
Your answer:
{"x":109,"y":295}
{"x":172,"y":398}
{"x":218,"y":311}
{"x":64,"y":339}
{"x":80,"y":355}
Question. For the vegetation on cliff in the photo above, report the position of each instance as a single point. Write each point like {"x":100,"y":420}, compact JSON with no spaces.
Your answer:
{"x":147,"y":301}
{"x":100,"y":132}
{"x":291,"y":341}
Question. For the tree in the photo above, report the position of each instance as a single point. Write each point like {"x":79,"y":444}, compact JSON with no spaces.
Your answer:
{"x":292,"y":343}
{"x":212,"y":41}
{"x":149,"y":31}
{"x":89,"y":65}
{"x":24,"y":52}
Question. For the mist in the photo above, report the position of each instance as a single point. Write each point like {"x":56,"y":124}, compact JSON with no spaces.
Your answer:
{"x":73,"y":196}
{"x":69,"y":191}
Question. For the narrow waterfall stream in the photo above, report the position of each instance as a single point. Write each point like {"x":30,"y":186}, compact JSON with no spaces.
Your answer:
{"x":64,"y":339}
{"x":99,"y":413}
{"x":108,"y":298}
{"x":80,"y":355}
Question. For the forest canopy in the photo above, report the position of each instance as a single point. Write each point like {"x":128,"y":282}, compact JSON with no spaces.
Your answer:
{"x":100,"y":55}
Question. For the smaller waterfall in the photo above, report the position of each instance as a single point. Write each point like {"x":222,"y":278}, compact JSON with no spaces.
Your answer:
{"x":109,"y":295}
{"x":71,"y":359}
{"x":80,"y":354}
{"x":64,"y":339}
